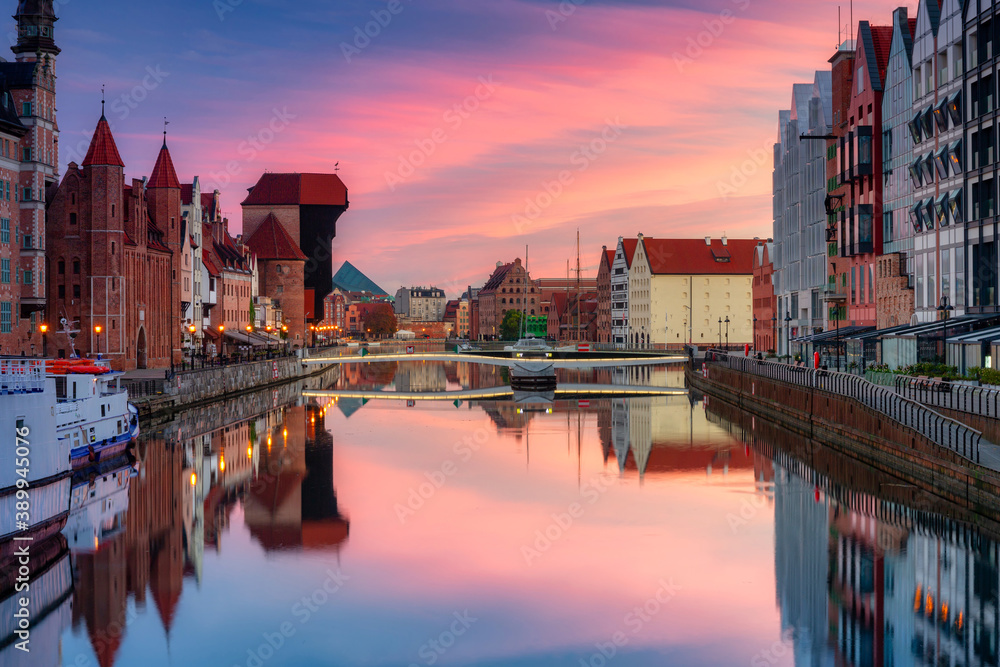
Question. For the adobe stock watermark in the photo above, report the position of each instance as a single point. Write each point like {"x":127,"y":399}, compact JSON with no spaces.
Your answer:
{"x":418,"y":495}
{"x":302,"y":611}
{"x":712,"y":30}
{"x":562,"y":522}
{"x":581,"y":158}
{"x":453,"y":119}
{"x":748,"y":511}
{"x":363,"y":35}
{"x":561,"y":14}
{"x":632,"y":624}
{"x":432,"y":650}
{"x":121,"y":107}
{"x":252,"y":146}
{"x":739,"y":175}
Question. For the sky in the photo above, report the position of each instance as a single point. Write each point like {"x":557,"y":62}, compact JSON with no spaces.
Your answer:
{"x":464,"y":130}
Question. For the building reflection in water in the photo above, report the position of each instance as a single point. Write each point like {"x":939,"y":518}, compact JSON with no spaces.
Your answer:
{"x":872,"y":580}
{"x":140,"y":526}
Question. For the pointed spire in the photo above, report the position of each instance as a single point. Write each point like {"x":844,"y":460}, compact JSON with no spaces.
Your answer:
{"x":103,"y":150}
{"x":164,"y":175}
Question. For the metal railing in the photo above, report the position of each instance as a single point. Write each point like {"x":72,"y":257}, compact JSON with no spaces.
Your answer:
{"x":144,"y":388}
{"x":984,"y":401}
{"x":946,"y":432}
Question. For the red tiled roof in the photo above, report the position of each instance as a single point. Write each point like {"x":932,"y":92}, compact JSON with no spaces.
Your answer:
{"x":451,"y":309}
{"x":496,"y":279}
{"x":694,"y":257}
{"x":557,"y":304}
{"x":103,"y":150}
{"x":213,"y":269}
{"x":271,"y":241}
{"x":298,"y":189}
{"x":629,"y":246}
{"x":608,"y":257}
{"x":882,"y":41}
{"x":163,"y":175}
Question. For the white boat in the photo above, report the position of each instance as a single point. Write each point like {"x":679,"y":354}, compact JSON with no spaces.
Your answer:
{"x":39,"y":464}
{"x":92,"y":410}
{"x":533,"y":376}
{"x":529,"y":345}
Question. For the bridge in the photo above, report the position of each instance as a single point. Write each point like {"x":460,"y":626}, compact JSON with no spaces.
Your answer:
{"x":594,"y":360}
{"x":492,"y":393}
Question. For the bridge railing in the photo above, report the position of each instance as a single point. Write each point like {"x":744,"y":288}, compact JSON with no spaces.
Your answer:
{"x":954,"y":435}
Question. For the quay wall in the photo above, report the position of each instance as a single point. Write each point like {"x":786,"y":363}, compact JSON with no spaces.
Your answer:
{"x":851,"y":428}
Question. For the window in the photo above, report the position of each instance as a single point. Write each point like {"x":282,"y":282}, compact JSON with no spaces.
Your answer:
{"x":6,"y":324}
{"x":62,"y":291}
{"x":26,"y":106}
{"x":29,"y":277}
{"x":4,"y":230}
{"x":5,"y":271}
{"x":72,"y":218}
{"x":61,"y":267}
{"x":76,"y":291}
{"x":26,"y":154}
{"x":27,"y":242}
{"x":27,"y":195}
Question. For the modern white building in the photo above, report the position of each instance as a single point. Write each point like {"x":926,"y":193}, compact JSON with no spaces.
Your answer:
{"x":799,"y":205}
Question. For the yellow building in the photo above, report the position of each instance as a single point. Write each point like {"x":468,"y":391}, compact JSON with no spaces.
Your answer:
{"x":679,"y":290}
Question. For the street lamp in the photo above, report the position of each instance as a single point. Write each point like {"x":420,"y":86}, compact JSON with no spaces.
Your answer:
{"x":754,"y":333}
{"x":945,"y":310}
{"x":97,"y":338}
{"x":249,"y":344}
{"x":191,"y":330}
{"x":727,"y":332}
{"x":788,"y":334}
{"x":720,"y":332}
{"x":45,"y":342}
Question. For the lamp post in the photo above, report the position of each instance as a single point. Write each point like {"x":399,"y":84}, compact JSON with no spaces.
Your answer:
{"x":45,"y":342}
{"x":222,"y":331}
{"x":97,"y":339}
{"x":945,"y":310}
{"x":268,"y":330}
{"x":788,"y":335}
{"x":191,"y":330}
{"x":249,"y":344}
{"x":727,"y":332}
{"x":754,"y":336}
{"x":774,"y":331}
{"x":720,"y":332}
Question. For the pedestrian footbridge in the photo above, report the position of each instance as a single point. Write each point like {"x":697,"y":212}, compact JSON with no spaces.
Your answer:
{"x":578,"y":360}
{"x":499,"y":393}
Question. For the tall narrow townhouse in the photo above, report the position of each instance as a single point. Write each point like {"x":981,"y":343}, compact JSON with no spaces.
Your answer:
{"x":859,"y":160}
{"x":894,"y":273}
{"x":982,"y":23}
{"x":937,"y":171}
{"x":799,"y":191}
{"x":620,"y":291}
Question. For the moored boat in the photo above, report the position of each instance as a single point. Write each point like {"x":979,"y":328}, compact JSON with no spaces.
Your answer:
{"x":35,"y":482}
{"x":92,"y":410}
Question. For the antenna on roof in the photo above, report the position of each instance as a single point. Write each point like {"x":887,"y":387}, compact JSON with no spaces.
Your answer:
{"x":839,"y":34}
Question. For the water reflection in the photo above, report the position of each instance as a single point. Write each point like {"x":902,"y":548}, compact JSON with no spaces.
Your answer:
{"x":227,"y":519}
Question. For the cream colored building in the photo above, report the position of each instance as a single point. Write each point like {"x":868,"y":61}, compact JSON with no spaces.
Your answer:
{"x":679,"y":289}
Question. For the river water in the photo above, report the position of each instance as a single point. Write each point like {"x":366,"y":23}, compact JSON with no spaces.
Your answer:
{"x":600,"y":531}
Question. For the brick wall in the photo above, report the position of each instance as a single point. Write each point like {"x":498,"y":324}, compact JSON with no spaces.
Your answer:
{"x":895,"y":296}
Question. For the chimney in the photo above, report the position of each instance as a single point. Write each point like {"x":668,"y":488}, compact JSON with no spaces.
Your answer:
{"x":499,"y":264}
{"x":708,"y":241}
{"x":725,"y":241}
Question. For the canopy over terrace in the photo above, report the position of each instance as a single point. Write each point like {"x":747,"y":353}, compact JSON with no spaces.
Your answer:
{"x":974,"y":350}
{"x":924,"y":343}
{"x":862,"y":349}
{"x":252,"y":338}
{"x":829,"y":344}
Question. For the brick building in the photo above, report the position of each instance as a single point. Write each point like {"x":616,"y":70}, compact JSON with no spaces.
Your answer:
{"x":764,"y":305}
{"x":281,"y":271}
{"x":603,"y":323}
{"x":308,"y":207}
{"x":112,"y":249}
{"x":509,"y":288}
{"x":28,"y":167}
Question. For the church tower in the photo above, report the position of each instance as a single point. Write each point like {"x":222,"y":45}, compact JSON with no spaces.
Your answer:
{"x":32,"y":83}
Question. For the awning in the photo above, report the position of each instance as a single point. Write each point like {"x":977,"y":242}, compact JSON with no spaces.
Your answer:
{"x":832,"y":334}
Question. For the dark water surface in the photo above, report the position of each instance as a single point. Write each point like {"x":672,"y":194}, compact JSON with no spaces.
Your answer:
{"x":612,"y":531}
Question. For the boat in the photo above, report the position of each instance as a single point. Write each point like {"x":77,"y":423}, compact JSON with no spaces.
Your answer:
{"x":92,"y":410}
{"x":533,"y":376}
{"x":39,"y":467}
{"x":529,"y":346}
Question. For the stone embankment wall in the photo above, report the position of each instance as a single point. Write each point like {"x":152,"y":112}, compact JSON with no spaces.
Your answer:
{"x":845,"y":425}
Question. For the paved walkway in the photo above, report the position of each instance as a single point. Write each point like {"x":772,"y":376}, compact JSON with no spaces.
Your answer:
{"x":146,"y":374}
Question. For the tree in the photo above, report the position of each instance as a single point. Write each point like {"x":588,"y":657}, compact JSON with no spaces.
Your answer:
{"x":510,"y":328}
{"x":381,"y":321}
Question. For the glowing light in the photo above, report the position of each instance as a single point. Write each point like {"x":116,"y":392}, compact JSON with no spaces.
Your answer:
{"x":97,"y":329}
{"x":284,"y":434}
{"x":194,"y":479}
{"x":222,"y":464}
{"x":929,"y":605}
{"x":44,"y":328}
{"x":249,"y":452}
{"x":96,"y":543}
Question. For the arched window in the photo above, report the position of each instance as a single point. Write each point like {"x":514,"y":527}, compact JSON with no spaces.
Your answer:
{"x":62,"y":267}
{"x":76,"y":267}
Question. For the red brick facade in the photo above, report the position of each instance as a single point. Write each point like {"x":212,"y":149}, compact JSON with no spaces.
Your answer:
{"x":895,"y":304}
{"x":603,"y":322}
{"x":509,"y":288}
{"x":764,"y":302}
{"x":112,"y":264}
